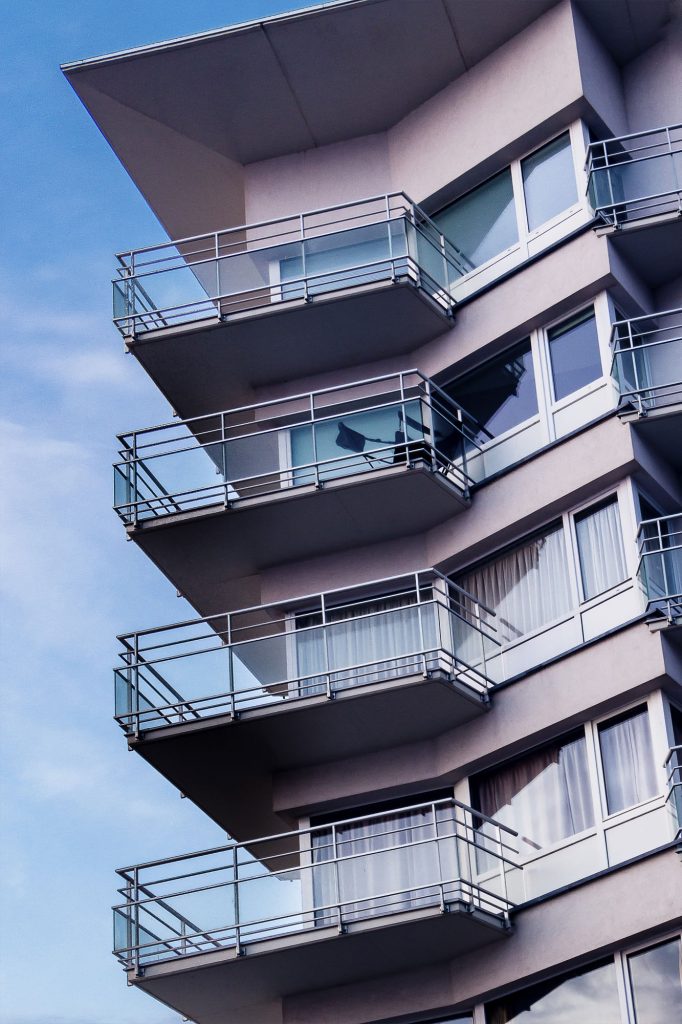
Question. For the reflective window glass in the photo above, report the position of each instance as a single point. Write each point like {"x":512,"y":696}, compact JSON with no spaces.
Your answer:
{"x":628,"y":760}
{"x":549,"y":181}
{"x":656,"y":978}
{"x":574,"y":354}
{"x":545,"y":796}
{"x":600,"y":549}
{"x":589,"y":995}
{"x":501,"y":394}
{"x":482,"y":223}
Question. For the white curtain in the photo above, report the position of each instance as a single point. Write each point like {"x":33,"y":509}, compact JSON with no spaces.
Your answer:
{"x":628,"y":760}
{"x":545,"y":797}
{"x":384,"y":865}
{"x":526,"y":588}
{"x":600,"y":546}
{"x":386,"y":636}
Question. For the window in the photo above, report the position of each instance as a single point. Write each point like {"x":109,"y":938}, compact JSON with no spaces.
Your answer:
{"x":549,"y":181}
{"x":587,"y":995}
{"x":365,"y":642}
{"x":627,"y":760}
{"x":656,"y":980}
{"x":545,"y":796}
{"x":501,"y":394}
{"x":482,"y":223}
{"x":600,"y":549}
{"x":574,"y":354}
{"x":527,"y":587}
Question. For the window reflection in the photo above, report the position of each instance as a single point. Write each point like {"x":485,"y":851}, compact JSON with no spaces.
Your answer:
{"x":589,"y":995}
{"x":574,"y":354}
{"x":501,"y":394}
{"x":549,"y":181}
{"x":482,"y":224}
{"x":656,"y":978}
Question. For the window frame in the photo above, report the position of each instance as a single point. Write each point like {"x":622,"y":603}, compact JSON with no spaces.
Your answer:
{"x":529,"y":243}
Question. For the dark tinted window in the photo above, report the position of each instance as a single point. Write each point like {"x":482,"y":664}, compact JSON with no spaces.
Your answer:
{"x":501,"y":394}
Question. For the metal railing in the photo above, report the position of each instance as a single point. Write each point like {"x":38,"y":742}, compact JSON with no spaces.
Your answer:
{"x":632,"y":177}
{"x":273,"y":263}
{"x":306,"y":440}
{"x":673,"y":767}
{"x":331,"y":876}
{"x":660,"y":565}
{"x":271,"y":657}
{"x":647,"y":360}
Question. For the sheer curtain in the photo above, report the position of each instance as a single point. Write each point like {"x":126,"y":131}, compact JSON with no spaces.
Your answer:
{"x":628,"y":760}
{"x":385,"y":864}
{"x":526,"y":588}
{"x":384,"y":635}
{"x":545,"y":797}
{"x":600,"y":547}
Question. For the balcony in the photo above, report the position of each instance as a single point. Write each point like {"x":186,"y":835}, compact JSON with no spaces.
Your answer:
{"x":213,"y":316}
{"x":221,"y":497}
{"x":313,"y":908}
{"x":660,"y":568}
{"x":673,"y":766}
{"x":647,"y":369}
{"x":330,"y":676}
{"x":635,"y":182}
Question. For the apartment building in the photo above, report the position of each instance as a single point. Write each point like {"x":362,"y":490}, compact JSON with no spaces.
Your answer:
{"x":420,"y":327}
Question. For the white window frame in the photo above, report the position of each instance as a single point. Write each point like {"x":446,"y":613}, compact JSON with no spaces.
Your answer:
{"x":623,"y":980}
{"x":530,"y":243}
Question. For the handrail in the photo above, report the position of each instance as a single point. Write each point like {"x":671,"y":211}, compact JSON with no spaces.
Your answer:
{"x":644,"y":353}
{"x":659,"y":543}
{"x":433,"y":844}
{"x":413,"y":249}
{"x":453,"y":640}
{"x":628,"y":182}
{"x":429,"y":426}
{"x":673,"y":767}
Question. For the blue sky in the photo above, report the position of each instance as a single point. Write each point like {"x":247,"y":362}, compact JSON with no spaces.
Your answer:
{"x":75,"y":803}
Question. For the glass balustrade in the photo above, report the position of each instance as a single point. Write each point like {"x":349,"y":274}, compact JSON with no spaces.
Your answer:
{"x":647,"y":360}
{"x":307,"y":440}
{"x":273,"y":657}
{"x":660,"y":564}
{"x":273,"y":263}
{"x":330,"y":876}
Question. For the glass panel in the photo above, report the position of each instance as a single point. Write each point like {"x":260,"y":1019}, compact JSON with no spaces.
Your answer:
{"x":549,"y":181}
{"x":545,"y":796}
{"x":501,"y":394}
{"x":627,"y":760}
{"x":656,"y":978}
{"x":527,"y":587}
{"x":356,"y":442}
{"x":589,"y":995}
{"x":600,"y":549}
{"x":482,"y":224}
{"x":574,"y":354}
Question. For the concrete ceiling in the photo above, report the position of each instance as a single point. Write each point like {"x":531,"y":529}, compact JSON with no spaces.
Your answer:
{"x":332,"y":72}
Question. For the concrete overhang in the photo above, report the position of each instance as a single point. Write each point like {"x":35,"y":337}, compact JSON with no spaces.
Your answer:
{"x":651,"y":247}
{"x":199,"y":109}
{"x":216,"y":362}
{"x":247,"y":989}
{"x":202,"y":551}
{"x":198,"y":756}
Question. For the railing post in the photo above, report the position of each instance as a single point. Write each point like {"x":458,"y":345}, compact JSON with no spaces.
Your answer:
{"x":306,"y":293}
{"x":223,"y":460}
{"x":313,"y":434}
{"x":217,"y":272}
{"x":422,"y":640}
{"x":133,"y":479}
{"x":389,"y":238}
{"x":237,"y":923}
{"x":337,"y":883}
{"x":441,"y":880}
{"x":136,"y":922}
{"x":136,"y":686}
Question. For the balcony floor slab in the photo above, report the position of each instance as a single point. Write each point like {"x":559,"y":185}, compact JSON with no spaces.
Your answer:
{"x":212,"y":364}
{"x":203,"y":550}
{"x":222,"y":988}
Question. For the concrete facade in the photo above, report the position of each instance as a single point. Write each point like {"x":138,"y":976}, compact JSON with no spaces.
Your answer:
{"x":286,"y":551}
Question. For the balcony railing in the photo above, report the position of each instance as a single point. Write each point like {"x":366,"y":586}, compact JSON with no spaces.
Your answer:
{"x":647,"y":360}
{"x":660,"y":565}
{"x":274,"y":263}
{"x":328,"y":644}
{"x":673,"y":766}
{"x":273,"y":448}
{"x":327,"y":877}
{"x":635,"y":177}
